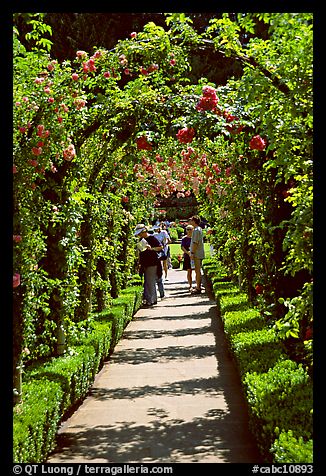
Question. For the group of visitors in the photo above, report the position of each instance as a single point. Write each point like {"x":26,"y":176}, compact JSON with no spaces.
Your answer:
{"x":154,"y":255}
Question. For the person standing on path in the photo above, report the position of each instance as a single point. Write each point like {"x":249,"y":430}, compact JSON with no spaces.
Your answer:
{"x":185,"y":246}
{"x":149,"y":263}
{"x":197,"y":252}
{"x":163,"y":236}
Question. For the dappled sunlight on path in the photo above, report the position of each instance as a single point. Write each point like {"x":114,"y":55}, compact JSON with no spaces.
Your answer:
{"x":169,"y":393}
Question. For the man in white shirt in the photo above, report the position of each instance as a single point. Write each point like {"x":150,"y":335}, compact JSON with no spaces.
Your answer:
{"x":163,"y":236}
{"x":197,"y":252}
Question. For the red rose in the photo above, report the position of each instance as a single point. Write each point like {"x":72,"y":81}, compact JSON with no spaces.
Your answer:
{"x":208,"y":101}
{"x":257,"y":143}
{"x":16,"y":280}
{"x":185,"y":135}
{"x":259,"y":288}
{"x":37,"y":150}
{"x":142,"y":143}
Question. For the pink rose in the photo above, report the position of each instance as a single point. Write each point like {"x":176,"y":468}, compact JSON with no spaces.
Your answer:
{"x":69,"y":153}
{"x":81,"y":54}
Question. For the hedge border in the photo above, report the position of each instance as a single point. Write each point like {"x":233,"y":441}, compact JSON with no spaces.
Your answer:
{"x":53,"y":389}
{"x":278,"y":391}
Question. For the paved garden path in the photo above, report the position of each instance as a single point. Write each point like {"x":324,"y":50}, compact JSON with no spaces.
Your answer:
{"x":170,"y":392}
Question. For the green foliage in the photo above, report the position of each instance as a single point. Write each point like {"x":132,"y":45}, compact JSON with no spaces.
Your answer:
{"x":81,"y":181}
{"x":53,"y":387}
{"x":271,"y":396}
{"x":279,"y":392}
{"x":173,"y":232}
{"x":175,"y":262}
{"x":36,"y":421}
{"x":288,"y":448}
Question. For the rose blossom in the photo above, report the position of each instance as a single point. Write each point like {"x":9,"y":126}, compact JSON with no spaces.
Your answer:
{"x":257,"y":143}
{"x":37,"y":150}
{"x":69,"y":153}
{"x":81,"y":54}
{"x":185,"y":135}
{"x":208,"y":101}
{"x":16,"y":280}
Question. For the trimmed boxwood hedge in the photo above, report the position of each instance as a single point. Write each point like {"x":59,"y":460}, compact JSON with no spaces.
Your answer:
{"x":36,"y":420}
{"x":53,"y":388}
{"x":278,"y":390}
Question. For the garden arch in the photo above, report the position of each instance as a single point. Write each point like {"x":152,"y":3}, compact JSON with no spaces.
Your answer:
{"x":97,"y":139}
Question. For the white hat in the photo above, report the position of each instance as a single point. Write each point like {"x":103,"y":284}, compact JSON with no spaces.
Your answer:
{"x":139,"y":229}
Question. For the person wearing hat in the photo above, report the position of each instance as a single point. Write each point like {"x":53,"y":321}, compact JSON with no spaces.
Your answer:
{"x":185,"y":246}
{"x":149,"y":263}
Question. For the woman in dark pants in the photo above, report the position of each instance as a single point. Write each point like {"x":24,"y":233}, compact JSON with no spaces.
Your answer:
{"x":185,"y":246}
{"x":149,"y":262}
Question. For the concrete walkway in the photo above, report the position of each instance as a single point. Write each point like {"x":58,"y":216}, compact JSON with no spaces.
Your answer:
{"x":169,"y":393}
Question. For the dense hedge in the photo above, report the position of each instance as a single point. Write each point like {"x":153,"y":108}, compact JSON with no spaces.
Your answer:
{"x":278,"y":390}
{"x":52,"y":389}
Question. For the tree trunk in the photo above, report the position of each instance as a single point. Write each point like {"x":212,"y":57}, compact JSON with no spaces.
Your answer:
{"x":85,"y":271}
{"x":100,"y":292}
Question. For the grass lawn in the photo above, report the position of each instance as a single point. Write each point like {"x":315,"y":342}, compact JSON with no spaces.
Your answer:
{"x":176,"y":250}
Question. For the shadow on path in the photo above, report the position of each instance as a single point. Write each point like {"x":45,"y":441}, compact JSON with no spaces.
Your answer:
{"x":169,"y":393}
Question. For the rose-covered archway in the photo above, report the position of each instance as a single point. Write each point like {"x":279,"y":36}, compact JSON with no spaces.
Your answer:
{"x":96,"y":141}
